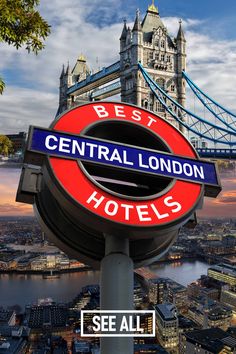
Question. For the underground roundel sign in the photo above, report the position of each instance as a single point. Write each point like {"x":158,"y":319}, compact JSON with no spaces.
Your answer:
{"x":121,"y":164}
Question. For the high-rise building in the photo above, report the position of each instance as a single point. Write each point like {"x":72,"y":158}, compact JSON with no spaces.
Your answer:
{"x":228,"y":297}
{"x":207,"y":341}
{"x":216,"y":315}
{"x":7,"y":318}
{"x":157,"y":290}
{"x":167,"y":326}
{"x":199,"y":143}
{"x":138,"y":294}
{"x":19,"y":142}
{"x":223,"y":272}
{"x":177,"y":294}
{"x":149,"y":349}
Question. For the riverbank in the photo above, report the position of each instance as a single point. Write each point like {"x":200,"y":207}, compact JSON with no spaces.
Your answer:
{"x":88,"y":268}
{"x":182,"y":259}
{"x":48,"y":271}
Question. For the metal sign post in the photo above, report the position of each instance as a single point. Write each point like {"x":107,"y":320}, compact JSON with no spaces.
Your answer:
{"x":116,"y":289}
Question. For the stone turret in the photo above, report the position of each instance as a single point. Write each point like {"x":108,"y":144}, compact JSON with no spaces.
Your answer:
{"x":68,"y":78}
{"x":123,"y":36}
{"x":65,"y":82}
{"x":181,"y":63}
{"x":80,"y":70}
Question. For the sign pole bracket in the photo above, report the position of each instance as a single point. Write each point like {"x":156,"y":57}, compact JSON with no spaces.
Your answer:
{"x":116,"y":289}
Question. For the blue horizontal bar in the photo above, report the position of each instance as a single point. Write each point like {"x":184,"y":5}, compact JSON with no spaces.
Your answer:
{"x":218,"y":152}
{"x":117,"y":155}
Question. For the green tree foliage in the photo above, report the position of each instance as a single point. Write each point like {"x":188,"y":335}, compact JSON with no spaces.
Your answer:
{"x":6,"y":145}
{"x":2,"y":85}
{"x":21,"y":25}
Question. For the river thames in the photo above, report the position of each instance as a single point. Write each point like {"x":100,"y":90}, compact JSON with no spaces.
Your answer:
{"x":20,"y":289}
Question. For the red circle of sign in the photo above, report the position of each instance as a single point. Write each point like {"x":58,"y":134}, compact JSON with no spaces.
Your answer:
{"x":180,"y":200}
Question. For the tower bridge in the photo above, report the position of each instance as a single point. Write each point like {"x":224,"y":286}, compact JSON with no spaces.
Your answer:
{"x":147,"y":42}
{"x":151,"y":73}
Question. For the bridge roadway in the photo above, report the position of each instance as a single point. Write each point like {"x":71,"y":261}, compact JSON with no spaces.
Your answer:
{"x":229,"y":154}
{"x":107,"y":91}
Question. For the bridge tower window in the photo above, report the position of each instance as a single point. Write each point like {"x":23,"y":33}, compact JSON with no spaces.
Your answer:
{"x":145,"y":104}
{"x":161,"y":82}
{"x":160,"y":107}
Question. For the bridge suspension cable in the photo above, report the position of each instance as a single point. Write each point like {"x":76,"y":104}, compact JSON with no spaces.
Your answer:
{"x":224,"y":115}
{"x":217,"y":133}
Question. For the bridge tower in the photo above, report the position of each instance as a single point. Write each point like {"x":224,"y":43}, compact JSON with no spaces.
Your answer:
{"x":164,"y":59}
{"x":147,"y":42}
{"x":68,"y":78}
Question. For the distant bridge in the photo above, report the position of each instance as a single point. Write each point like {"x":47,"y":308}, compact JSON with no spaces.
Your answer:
{"x":217,"y":153}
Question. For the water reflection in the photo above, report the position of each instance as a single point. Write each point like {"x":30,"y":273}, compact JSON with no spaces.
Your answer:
{"x":23,"y":289}
{"x":182,"y":272}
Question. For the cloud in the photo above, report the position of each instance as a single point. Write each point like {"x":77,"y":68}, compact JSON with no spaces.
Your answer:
{"x":224,"y":205}
{"x":15,"y":209}
{"x":22,"y":107}
{"x":228,"y":197}
{"x":9,"y":179}
{"x":94,"y":28}
{"x":31,"y":96}
{"x":75,"y":28}
{"x":212,"y":64}
{"x":172,"y":24}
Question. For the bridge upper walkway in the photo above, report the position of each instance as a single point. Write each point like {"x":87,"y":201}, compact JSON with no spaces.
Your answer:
{"x":102,"y":77}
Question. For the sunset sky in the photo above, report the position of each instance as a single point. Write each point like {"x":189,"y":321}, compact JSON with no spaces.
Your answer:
{"x":9,"y":179}
{"x":93,"y":27}
{"x":223,"y":206}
